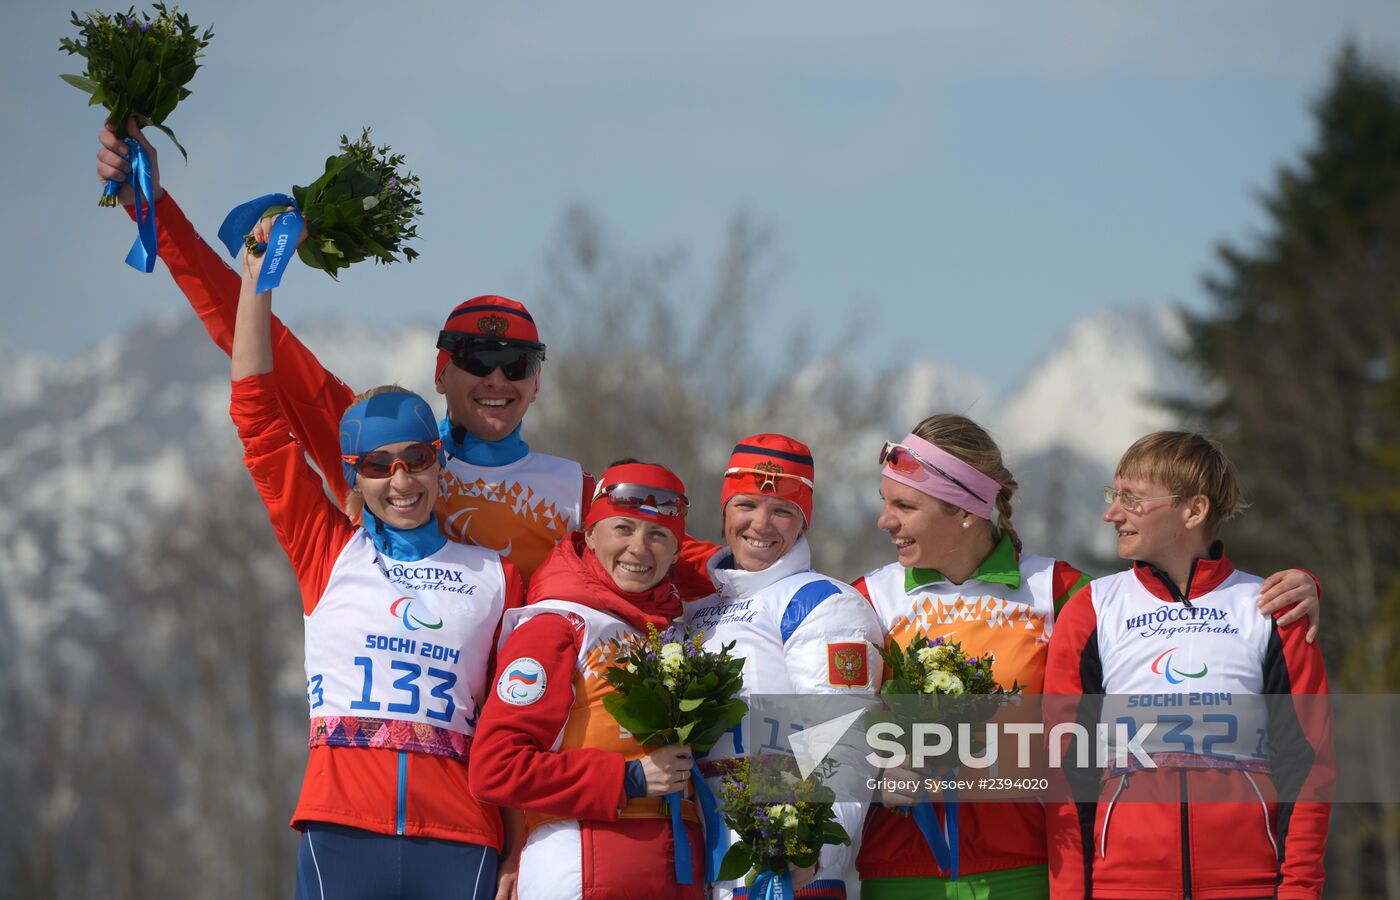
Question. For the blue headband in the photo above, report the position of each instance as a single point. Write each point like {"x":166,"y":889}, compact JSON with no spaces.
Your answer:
{"x":387,"y":418}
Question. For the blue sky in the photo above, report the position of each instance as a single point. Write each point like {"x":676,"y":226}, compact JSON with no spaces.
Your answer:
{"x":957,"y":181}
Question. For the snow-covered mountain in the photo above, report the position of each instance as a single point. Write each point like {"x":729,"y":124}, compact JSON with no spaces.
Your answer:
{"x":1065,"y":425}
{"x":90,"y":450}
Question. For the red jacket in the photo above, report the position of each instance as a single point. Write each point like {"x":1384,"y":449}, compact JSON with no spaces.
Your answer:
{"x":379,"y":790}
{"x":1130,"y":634}
{"x":560,"y":757}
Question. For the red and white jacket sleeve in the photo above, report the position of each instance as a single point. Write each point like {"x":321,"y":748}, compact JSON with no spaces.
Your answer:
{"x":514,"y":763}
{"x":312,"y":398}
{"x":514,"y":599}
{"x":311,"y":529}
{"x":1072,"y":669}
{"x":1301,"y":734}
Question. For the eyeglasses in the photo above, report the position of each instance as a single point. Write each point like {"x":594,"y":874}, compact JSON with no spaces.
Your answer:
{"x":764,"y":481}
{"x":517,"y":360}
{"x":914,"y":467}
{"x":1129,"y":502}
{"x":641,"y":497}
{"x":381,"y":463}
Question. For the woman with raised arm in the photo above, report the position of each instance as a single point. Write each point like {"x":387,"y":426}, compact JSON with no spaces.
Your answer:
{"x":547,"y":745}
{"x":961,"y":575}
{"x":400,"y":628}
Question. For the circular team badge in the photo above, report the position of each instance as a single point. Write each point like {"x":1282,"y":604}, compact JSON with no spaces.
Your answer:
{"x":522,"y":683}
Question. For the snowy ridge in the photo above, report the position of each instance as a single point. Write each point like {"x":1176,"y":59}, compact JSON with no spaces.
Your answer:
{"x":90,"y":449}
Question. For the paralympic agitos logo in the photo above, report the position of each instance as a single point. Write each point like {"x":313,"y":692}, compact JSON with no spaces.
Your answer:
{"x":402,"y":609}
{"x":1162,"y":665}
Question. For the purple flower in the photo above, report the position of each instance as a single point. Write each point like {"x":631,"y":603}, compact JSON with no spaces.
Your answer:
{"x":145,"y":25}
{"x":130,"y":22}
{"x":393,"y":183}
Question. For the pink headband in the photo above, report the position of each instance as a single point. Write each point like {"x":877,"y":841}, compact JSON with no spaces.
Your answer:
{"x":957,"y":483}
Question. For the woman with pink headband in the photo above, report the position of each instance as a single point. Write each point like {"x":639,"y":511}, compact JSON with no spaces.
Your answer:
{"x":961,"y":575}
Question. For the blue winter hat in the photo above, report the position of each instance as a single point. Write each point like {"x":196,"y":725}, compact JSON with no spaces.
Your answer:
{"x":387,"y":418}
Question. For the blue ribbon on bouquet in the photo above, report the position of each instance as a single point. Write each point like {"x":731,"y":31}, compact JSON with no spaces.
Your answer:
{"x":716,"y":832}
{"x":280,"y":242}
{"x":941,"y":837}
{"x":772,"y":886}
{"x":142,"y":255}
{"x":679,"y":838}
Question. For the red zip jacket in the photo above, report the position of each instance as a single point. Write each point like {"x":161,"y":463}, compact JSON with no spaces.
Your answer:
{"x":1132,"y":636}
{"x":554,"y":752}
{"x":380,"y":790}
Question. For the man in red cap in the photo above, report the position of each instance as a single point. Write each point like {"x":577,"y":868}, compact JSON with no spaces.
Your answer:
{"x":496,"y":491}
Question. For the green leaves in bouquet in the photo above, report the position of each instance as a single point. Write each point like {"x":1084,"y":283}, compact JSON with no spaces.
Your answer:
{"x":736,"y":863}
{"x":920,"y":669}
{"x":362,"y":206}
{"x":689,"y":697}
{"x":137,"y":67}
{"x":773,"y":835}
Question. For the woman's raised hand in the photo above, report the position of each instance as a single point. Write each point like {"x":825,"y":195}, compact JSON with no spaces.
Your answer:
{"x":113,"y":165}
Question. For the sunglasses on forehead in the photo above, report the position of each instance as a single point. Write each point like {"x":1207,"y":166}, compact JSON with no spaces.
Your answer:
{"x":916,"y":468}
{"x":479,"y":357}
{"x":763,"y":481}
{"x":643,"y":498}
{"x":381,"y":463}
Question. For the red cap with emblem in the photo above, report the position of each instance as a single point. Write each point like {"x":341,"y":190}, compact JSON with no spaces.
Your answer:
{"x":771,"y":464}
{"x":490,"y":318}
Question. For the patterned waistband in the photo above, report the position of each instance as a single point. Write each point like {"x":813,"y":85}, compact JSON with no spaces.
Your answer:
{"x":389,"y":734}
{"x":1193,"y":761}
{"x":715,"y":768}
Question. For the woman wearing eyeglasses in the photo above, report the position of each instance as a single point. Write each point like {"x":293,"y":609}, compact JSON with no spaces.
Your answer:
{"x":400,"y":626}
{"x":547,"y":745}
{"x":961,"y":575}
{"x":799,"y":632}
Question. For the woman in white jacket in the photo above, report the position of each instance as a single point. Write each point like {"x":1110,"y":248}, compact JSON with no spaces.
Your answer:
{"x":798,"y":631}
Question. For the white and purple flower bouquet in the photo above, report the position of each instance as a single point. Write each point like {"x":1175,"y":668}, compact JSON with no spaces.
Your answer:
{"x":668,"y":689}
{"x":776,"y":835}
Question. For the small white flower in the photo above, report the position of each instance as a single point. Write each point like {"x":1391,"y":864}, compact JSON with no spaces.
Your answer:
{"x":784,"y":814}
{"x":939,"y":682}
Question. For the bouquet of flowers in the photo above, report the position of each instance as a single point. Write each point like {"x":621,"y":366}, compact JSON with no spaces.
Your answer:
{"x":968,"y":694}
{"x":362,"y":206}
{"x":136,"y":67}
{"x":668,"y":689}
{"x":939,"y":667}
{"x":773,"y":836}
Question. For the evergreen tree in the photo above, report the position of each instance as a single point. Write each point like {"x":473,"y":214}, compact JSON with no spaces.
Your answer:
{"x":1303,"y":348}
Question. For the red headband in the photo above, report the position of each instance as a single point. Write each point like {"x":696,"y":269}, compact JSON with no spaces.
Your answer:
{"x":659,"y":478}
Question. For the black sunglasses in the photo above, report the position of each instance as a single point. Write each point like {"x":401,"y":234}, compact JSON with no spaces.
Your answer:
{"x":517,"y":360}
